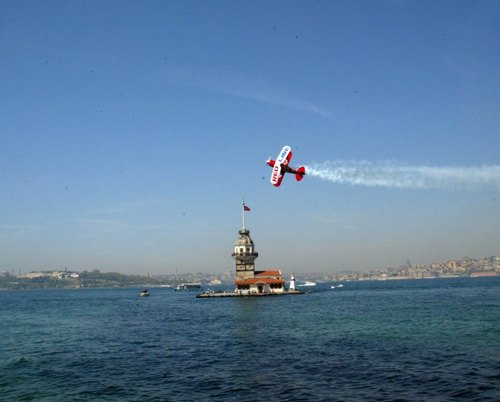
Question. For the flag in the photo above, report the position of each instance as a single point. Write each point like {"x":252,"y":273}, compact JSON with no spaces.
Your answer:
{"x":245,"y":208}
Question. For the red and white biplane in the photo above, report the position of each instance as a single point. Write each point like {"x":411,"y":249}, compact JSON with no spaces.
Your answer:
{"x":281,"y":166}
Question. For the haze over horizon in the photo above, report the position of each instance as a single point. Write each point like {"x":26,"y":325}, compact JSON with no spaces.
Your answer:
{"x":130,"y":131}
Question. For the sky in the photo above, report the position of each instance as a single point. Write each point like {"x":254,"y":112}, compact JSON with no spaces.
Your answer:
{"x":130,"y":131}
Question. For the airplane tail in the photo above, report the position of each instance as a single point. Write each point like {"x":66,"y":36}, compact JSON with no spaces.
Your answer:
{"x":301,"y":171}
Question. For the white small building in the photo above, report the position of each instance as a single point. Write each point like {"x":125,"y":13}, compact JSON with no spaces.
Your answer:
{"x":263,"y":282}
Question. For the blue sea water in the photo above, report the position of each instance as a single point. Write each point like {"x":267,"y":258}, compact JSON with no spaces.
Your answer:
{"x":421,"y":340}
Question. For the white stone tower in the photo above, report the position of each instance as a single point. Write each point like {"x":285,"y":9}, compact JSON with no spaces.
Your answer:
{"x":244,"y":252}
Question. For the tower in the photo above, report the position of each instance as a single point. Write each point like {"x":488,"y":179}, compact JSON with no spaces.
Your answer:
{"x":250,"y":282}
{"x":245,"y":255}
{"x":244,"y":252}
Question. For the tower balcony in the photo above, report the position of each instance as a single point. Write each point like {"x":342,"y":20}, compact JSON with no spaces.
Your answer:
{"x":245,"y":257}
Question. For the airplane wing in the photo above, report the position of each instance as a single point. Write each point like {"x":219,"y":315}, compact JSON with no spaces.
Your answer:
{"x":283,"y":159}
{"x":276,"y":175}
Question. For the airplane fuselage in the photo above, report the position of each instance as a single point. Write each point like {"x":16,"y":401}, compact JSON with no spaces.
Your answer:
{"x":285,"y":168}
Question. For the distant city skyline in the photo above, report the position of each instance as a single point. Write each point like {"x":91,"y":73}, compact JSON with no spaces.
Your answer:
{"x":483,"y":267}
{"x":129,"y":133}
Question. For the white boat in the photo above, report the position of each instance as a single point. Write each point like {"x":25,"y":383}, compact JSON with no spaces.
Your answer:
{"x":183,"y":287}
{"x":144,"y":293}
{"x":308,"y":283}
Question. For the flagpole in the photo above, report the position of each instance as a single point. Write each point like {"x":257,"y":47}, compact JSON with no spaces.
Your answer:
{"x":243,"y":211}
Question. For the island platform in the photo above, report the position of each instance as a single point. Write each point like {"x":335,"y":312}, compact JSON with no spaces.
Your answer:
{"x":221,"y":293}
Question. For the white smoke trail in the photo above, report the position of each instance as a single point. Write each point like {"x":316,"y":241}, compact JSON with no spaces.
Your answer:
{"x":391,"y":174}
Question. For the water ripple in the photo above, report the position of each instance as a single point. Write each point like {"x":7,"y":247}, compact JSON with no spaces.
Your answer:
{"x":414,"y":341}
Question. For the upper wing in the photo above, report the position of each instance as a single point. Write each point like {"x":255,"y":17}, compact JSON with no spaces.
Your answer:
{"x":283,"y":158}
{"x":285,"y":155}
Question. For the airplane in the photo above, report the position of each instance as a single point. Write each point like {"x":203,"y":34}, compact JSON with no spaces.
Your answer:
{"x":280,"y":167}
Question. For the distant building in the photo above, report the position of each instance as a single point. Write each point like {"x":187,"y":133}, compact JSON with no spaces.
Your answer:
{"x":451,"y":265}
{"x":52,"y":275}
{"x":32,"y":275}
{"x":483,"y":274}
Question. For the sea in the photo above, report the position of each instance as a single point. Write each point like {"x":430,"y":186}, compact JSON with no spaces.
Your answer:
{"x":406,"y":340}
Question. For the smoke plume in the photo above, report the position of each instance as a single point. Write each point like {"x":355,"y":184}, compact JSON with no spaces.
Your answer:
{"x":395,"y":175}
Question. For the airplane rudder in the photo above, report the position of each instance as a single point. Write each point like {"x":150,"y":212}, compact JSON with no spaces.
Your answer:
{"x":301,"y":171}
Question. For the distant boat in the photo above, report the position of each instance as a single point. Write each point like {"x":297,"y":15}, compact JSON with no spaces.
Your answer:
{"x":188,"y":287}
{"x":308,"y":283}
{"x":338,"y":286}
{"x":144,"y":293}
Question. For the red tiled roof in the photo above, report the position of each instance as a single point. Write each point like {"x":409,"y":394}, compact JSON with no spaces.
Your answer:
{"x":255,"y":281}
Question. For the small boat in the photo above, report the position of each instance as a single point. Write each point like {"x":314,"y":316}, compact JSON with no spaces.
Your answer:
{"x":144,"y":293}
{"x":338,"y":286}
{"x":308,"y":283}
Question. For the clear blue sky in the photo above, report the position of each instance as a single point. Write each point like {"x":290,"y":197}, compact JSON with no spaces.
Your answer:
{"x":130,"y":130}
